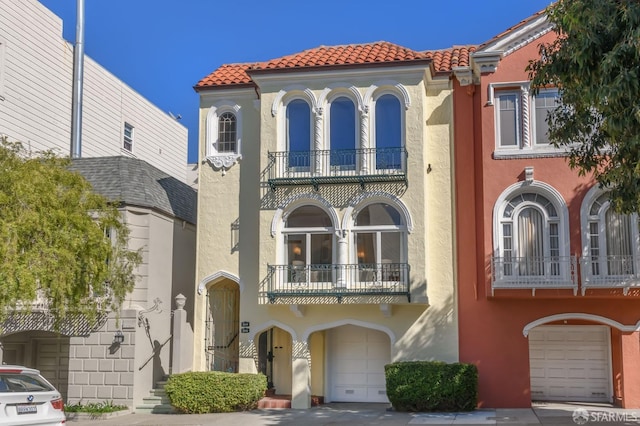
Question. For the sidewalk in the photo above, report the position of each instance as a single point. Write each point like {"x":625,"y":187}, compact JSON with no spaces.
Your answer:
{"x":357,"y":414}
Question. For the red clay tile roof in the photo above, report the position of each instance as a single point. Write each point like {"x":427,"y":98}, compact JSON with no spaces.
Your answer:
{"x":346,"y":55}
{"x":445,"y":60}
{"x":227,"y":75}
{"x":350,"y":54}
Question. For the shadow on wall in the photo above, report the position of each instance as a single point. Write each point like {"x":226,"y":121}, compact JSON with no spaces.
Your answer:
{"x":433,"y":336}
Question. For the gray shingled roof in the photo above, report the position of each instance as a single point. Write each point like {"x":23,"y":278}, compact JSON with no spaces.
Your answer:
{"x":136,"y":183}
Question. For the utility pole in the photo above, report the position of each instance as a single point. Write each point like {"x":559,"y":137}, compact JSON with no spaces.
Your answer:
{"x":78,"y":71}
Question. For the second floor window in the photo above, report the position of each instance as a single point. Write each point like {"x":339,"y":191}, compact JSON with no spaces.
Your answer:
{"x":127,"y":143}
{"x":227,"y":133}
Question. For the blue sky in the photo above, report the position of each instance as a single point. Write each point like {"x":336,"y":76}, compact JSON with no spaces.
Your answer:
{"x":161,"y":48}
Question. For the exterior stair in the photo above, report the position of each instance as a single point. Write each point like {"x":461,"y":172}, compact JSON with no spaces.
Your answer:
{"x":157,"y":402}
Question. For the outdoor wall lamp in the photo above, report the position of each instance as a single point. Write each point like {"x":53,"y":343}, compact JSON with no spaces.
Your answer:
{"x":118,"y":338}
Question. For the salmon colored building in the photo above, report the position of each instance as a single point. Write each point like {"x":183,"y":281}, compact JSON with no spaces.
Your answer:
{"x":548,"y":274}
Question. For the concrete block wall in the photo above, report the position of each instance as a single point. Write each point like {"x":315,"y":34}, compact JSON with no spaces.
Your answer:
{"x":101,"y":370}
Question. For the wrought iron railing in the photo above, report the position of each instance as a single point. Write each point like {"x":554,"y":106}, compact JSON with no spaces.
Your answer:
{"x":617,"y":271}
{"x":533,"y":273}
{"x":337,"y":166}
{"x":380,"y":279}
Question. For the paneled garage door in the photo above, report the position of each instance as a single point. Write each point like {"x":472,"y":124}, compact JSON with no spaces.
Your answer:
{"x":570,"y":363}
{"x":357,"y":357}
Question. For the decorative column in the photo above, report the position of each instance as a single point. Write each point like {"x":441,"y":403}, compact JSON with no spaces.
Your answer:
{"x":342,"y":258}
{"x":526,"y":131}
{"x":317,"y":138}
{"x":300,"y":376}
{"x":364,"y":140}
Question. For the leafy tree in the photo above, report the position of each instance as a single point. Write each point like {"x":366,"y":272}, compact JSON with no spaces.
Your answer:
{"x":59,"y":241}
{"x":595,"y":63}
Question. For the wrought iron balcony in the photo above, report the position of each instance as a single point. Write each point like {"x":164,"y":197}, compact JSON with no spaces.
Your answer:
{"x":554,"y":272}
{"x":337,"y":166}
{"x":339,"y":281}
{"x":610,"y":272}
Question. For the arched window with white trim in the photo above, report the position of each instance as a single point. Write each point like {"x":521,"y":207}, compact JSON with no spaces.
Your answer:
{"x":308,"y":234}
{"x":611,"y":243}
{"x":380,"y":241}
{"x":298,"y":134}
{"x":389,"y":142}
{"x":531,"y":240}
{"x":342,"y":133}
{"x":224,"y":134}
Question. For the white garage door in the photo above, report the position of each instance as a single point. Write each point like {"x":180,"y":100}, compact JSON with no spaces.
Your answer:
{"x":357,"y":357}
{"x":570,"y":363}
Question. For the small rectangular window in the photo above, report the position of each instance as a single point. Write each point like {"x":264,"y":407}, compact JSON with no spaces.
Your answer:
{"x":545,"y":102}
{"x":509,"y":119}
{"x":128,"y":137}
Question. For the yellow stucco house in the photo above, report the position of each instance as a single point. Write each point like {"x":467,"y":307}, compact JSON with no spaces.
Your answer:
{"x":325,"y":242}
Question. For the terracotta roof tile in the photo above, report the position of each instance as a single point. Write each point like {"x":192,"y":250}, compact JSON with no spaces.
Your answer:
{"x":227,"y":75}
{"x":352,"y":54}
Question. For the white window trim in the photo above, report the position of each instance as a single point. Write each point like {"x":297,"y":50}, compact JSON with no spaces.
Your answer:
{"x":123,"y":150}
{"x":525,"y":113}
{"x":224,"y":160}
{"x":368,"y":199}
{"x":546,"y":191}
{"x":283,"y":128}
{"x":586,"y":217}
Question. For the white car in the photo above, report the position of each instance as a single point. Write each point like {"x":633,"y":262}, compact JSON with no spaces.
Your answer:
{"x":27,"y":398}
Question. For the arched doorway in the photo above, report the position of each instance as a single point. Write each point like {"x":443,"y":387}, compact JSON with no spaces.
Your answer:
{"x":274,"y":359}
{"x":222,"y":326}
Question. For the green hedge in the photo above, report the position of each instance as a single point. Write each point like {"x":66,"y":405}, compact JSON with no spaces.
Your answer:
{"x":432,"y":386}
{"x":215,"y":391}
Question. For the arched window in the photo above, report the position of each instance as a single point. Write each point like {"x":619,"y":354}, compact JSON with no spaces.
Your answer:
{"x":380,"y":241}
{"x":227,"y":133}
{"x":342,"y":132}
{"x":298,"y":133}
{"x":530,"y":231}
{"x":308,"y":233}
{"x":388,"y":132}
{"x":612,"y":240}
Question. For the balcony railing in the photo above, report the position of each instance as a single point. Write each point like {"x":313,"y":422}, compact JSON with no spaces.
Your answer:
{"x":339,"y":281}
{"x":554,"y":272}
{"x":610,"y":272}
{"x":337,"y":166}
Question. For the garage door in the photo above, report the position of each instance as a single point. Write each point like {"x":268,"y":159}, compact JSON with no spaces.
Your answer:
{"x":357,"y":357}
{"x":52,"y":359}
{"x":570,"y":363}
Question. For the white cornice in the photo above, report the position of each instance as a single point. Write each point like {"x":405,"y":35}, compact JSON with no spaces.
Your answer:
{"x":520,"y":37}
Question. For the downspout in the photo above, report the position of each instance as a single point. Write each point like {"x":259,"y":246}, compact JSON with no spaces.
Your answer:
{"x":78,"y":71}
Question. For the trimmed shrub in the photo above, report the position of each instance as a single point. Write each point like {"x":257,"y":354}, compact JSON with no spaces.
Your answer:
{"x":215,"y":391}
{"x":432,"y":386}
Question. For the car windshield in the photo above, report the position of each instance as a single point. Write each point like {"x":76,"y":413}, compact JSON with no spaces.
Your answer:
{"x":22,"y":382}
